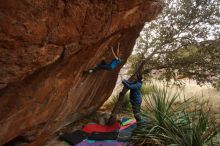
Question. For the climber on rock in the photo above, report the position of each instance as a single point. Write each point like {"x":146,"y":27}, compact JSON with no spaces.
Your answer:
{"x":135,"y":96}
{"x":103,"y":65}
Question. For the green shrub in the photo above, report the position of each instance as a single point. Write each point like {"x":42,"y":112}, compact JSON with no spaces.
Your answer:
{"x":188,"y":123}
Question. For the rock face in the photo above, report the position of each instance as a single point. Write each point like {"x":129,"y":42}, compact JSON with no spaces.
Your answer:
{"x":45,"y":45}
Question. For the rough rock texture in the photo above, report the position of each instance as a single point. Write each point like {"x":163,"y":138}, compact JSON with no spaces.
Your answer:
{"x":44,"y":47}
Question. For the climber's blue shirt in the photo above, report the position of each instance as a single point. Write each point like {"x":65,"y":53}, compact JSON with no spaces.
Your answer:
{"x":115,"y":62}
{"x":135,"y":91}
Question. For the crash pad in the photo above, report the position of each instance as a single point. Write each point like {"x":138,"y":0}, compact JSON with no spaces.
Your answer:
{"x":74,"y":137}
{"x":126,"y":133}
{"x":127,"y":124}
{"x":89,"y":128}
{"x":125,"y":121}
{"x":103,"y":136}
{"x":103,"y":143}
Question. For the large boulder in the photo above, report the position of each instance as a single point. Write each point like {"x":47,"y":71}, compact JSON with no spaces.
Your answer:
{"x":45,"y":45}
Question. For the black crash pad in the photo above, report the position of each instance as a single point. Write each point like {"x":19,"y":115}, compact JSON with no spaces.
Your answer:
{"x":103,"y":136}
{"x":74,"y":137}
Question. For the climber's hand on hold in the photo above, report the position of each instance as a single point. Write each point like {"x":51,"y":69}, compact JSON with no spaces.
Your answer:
{"x":115,"y":56}
{"x":118,"y":50}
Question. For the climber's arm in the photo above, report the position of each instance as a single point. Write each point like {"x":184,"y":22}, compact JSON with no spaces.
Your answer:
{"x":118,"y":51}
{"x":130,"y":85}
{"x":115,"y":56}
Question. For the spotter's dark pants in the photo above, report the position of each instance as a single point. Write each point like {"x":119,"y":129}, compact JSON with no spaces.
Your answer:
{"x":137,"y":112}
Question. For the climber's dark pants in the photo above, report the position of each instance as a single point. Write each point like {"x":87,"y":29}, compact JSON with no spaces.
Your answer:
{"x":137,"y":112}
{"x":102,"y":65}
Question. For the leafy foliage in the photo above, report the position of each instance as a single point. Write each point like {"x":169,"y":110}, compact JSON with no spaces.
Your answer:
{"x":183,"y":42}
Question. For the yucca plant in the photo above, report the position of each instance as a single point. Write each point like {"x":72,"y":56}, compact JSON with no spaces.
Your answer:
{"x":187,"y":123}
{"x":146,"y":89}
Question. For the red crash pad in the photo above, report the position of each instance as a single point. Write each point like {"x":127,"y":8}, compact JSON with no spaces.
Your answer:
{"x":100,"y":128}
